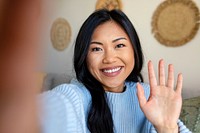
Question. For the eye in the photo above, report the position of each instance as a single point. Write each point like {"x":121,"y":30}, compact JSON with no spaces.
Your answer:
{"x":120,"y":46}
{"x":96,"y":49}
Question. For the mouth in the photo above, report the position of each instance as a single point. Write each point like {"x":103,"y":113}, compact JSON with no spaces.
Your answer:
{"x":111,"y":72}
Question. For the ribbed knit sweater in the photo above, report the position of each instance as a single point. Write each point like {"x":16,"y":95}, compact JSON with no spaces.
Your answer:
{"x":65,"y":110}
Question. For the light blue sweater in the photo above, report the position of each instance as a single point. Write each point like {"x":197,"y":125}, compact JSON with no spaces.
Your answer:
{"x":65,"y":110}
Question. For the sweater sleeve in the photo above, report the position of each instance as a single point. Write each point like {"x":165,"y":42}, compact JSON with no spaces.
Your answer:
{"x":181,"y":126}
{"x":62,"y":111}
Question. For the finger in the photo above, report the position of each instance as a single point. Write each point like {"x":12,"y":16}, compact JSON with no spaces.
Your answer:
{"x":151,"y":74}
{"x":141,"y":97}
{"x":161,"y":72}
{"x":170,"y":80}
{"x":179,"y":83}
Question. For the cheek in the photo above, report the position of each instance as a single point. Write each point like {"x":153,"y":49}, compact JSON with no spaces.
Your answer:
{"x":92,"y":62}
{"x":130,"y":59}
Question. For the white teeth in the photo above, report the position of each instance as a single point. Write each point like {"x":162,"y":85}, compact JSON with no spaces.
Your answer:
{"x":112,"y":70}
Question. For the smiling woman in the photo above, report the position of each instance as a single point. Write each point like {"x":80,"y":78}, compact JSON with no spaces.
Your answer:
{"x":108,"y":94}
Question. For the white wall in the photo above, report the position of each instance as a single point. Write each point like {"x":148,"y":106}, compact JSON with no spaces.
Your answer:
{"x":184,"y":58}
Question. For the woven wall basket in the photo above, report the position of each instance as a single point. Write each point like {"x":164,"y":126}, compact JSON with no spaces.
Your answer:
{"x":109,"y":4}
{"x":175,"y":22}
{"x":60,"y":34}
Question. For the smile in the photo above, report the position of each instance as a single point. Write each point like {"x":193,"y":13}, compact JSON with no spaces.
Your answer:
{"x":112,"y":70}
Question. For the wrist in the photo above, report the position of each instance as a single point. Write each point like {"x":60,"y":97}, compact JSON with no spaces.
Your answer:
{"x":166,"y":129}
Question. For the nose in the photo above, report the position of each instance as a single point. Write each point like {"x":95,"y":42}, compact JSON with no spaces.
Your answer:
{"x":109,"y":57}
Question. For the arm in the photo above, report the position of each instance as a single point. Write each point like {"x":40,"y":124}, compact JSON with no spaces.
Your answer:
{"x":181,"y":128}
{"x":18,"y":65}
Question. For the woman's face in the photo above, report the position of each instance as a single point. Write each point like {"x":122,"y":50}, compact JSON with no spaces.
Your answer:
{"x":110,"y":57}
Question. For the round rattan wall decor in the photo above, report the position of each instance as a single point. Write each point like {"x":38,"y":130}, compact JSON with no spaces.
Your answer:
{"x":109,"y":4}
{"x":60,"y":34}
{"x":175,"y":22}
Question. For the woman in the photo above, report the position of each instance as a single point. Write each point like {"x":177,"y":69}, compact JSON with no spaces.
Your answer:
{"x":108,"y":95}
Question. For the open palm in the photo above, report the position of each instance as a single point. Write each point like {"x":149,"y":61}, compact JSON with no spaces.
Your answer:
{"x":163,"y":107}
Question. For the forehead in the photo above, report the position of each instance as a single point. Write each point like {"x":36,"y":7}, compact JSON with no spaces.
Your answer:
{"x":109,"y":29}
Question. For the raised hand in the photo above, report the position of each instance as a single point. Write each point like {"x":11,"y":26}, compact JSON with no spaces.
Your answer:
{"x":163,"y":107}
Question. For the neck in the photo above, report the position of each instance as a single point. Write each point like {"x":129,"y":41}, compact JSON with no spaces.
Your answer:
{"x":120,"y":89}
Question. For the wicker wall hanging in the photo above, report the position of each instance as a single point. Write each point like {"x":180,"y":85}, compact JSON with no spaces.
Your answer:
{"x":60,"y":34}
{"x":175,"y":22}
{"x":109,"y":4}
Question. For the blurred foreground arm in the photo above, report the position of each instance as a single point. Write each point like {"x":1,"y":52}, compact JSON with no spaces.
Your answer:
{"x":19,"y":42}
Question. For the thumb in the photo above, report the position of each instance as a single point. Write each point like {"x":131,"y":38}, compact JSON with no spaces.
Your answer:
{"x":141,"y":97}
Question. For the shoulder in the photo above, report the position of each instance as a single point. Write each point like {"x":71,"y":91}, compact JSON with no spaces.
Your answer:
{"x":74,"y":92}
{"x":66,"y":103}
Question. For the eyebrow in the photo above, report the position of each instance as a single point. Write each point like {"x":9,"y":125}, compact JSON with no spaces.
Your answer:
{"x":115,"y":40}
{"x":94,"y":42}
{"x":121,"y":38}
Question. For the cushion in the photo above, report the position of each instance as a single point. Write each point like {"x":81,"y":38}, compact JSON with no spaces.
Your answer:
{"x":53,"y":79}
{"x":190,"y":114}
{"x":40,"y":81}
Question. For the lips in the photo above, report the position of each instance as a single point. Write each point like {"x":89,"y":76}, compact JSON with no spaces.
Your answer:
{"x":111,"y":72}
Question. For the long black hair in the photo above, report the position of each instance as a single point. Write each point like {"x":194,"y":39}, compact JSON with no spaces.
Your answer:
{"x":99,"y":117}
